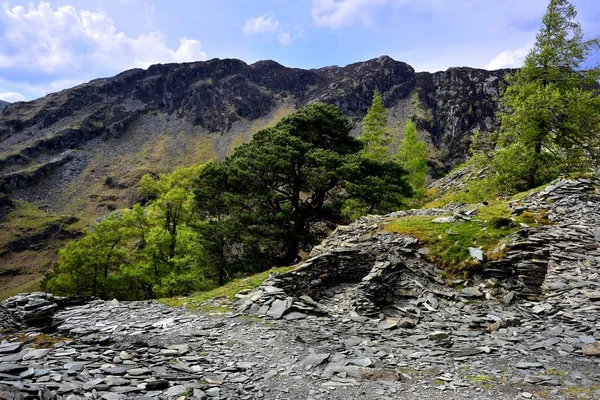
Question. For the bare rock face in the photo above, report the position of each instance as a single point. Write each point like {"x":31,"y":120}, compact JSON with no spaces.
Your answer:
{"x":213,"y":96}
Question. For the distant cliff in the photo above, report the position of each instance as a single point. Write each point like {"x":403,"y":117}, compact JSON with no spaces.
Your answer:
{"x":59,"y":151}
{"x":3,"y":104}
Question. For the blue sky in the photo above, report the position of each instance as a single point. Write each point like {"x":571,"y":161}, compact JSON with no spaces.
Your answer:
{"x":46,"y":46}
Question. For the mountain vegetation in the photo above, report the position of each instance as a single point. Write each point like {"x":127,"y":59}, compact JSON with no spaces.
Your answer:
{"x":283,"y":185}
{"x":550,"y":110}
{"x":272,"y":199}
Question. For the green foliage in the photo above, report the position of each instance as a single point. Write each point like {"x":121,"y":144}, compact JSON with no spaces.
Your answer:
{"x":375,"y":135}
{"x":275,"y":197}
{"x":228,"y":290}
{"x":138,"y":253}
{"x":550,"y":112}
{"x":413,"y":155}
{"x":449,"y":243}
{"x":279,"y":194}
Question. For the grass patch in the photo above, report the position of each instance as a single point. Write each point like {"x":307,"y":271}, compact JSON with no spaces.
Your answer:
{"x":481,"y":381}
{"x":449,"y":243}
{"x":227,"y":291}
{"x":40,"y":341}
{"x":31,"y":286}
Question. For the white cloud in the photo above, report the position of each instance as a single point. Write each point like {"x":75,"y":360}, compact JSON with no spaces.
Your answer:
{"x":65,"y":40}
{"x":508,"y":59}
{"x":271,"y":26}
{"x":260,"y":25}
{"x":284,"y":38}
{"x":339,"y":13}
{"x":12,"y":97}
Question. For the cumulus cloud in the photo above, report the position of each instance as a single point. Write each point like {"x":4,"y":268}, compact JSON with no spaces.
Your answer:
{"x":12,"y":97}
{"x":66,"y":40}
{"x":339,"y":13}
{"x":508,"y":59}
{"x":260,"y":25}
{"x":271,"y":26}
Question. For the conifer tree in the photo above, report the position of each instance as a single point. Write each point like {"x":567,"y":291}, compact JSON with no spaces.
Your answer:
{"x":375,"y":136}
{"x":550,"y":111}
{"x":413,"y":155}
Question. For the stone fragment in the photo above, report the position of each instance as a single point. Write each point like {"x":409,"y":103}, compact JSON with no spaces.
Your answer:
{"x":12,"y":369}
{"x":443,"y":220}
{"x":361,"y":361}
{"x":528,"y":365}
{"x":438,"y":335}
{"x":138,"y":371}
{"x":388,"y":323}
{"x":314,"y":359}
{"x":35,"y":354}
{"x":10,"y":347}
{"x":278,"y":308}
{"x":476,"y":253}
{"x":471,"y":292}
{"x":294,"y":315}
{"x":594,"y":296}
{"x":592,"y":349}
{"x":159,"y":384}
{"x":467,"y":333}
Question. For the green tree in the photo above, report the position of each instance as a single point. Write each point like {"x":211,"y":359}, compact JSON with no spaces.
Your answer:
{"x":140,"y":253}
{"x":375,"y":135}
{"x":288,"y":186}
{"x":550,"y":111}
{"x":92,"y":265}
{"x":413,"y":155}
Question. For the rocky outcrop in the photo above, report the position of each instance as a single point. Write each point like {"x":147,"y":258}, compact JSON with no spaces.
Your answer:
{"x":218,"y":95}
{"x":556,"y":259}
{"x":36,"y":310}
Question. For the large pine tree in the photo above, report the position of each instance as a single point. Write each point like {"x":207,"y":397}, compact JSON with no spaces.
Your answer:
{"x":550,"y":111}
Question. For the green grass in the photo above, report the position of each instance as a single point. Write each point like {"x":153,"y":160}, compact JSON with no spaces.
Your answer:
{"x":481,"y":381}
{"x":24,"y":217}
{"x":227,"y":291}
{"x":449,"y":243}
{"x":31,"y":286}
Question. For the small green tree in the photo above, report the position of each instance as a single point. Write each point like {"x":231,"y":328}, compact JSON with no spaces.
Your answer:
{"x":413,"y":155}
{"x":550,"y":111}
{"x":375,"y":136}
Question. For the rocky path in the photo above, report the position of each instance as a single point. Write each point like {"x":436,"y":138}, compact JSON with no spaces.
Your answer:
{"x":138,"y":350}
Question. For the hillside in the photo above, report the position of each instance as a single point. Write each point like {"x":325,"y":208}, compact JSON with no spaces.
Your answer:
{"x":3,"y":104}
{"x":81,"y":152}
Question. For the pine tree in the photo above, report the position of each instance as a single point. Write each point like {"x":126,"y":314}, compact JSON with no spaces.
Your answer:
{"x":413,"y":155}
{"x":375,"y":136}
{"x":550,"y":111}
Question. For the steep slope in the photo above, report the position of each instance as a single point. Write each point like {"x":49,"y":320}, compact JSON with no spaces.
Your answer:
{"x":57,"y":151}
{"x":3,"y":104}
{"x":80,"y":152}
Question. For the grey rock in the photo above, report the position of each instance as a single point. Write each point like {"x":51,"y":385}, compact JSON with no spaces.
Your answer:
{"x":278,"y":308}
{"x":314,"y":359}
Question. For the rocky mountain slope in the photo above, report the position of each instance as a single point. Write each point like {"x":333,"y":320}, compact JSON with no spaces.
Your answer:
{"x":3,"y":104}
{"x":57,"y":151}
{"x":80,"y":153}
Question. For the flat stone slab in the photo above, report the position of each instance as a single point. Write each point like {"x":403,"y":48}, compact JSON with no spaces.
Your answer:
{"x":279,"y":307}
{"x":315,"y":359}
